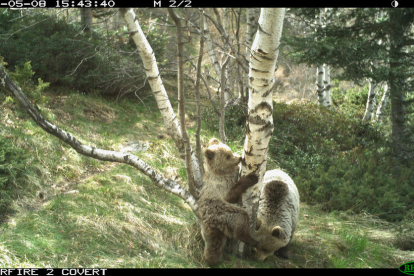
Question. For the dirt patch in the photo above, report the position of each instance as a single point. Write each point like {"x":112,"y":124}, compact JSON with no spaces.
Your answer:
{"x":94,"y":112}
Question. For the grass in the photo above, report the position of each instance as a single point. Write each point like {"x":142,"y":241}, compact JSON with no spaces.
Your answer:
{"x":100,"y":214}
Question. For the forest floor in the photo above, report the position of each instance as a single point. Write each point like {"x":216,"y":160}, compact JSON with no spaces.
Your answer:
{"x":80,"y":212}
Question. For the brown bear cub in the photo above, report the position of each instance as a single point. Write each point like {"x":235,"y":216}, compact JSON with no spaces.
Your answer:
{"x":219,"y":218}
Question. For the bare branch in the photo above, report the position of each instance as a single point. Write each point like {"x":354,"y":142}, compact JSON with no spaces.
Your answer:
{"x":100,"y":154}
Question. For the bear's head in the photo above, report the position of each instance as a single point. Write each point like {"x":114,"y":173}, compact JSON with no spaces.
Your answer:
{"x":220,"y":159}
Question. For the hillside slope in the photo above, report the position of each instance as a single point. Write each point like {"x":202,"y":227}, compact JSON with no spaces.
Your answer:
{"x":73,"y":211}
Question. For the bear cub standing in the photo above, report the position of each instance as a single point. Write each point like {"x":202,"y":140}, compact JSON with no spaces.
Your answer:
{"x":219,"y":218}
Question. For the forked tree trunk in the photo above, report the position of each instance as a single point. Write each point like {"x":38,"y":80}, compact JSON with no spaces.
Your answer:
{"x":259,"y":125}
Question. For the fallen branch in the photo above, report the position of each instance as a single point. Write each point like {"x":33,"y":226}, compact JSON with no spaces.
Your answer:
{"x":100,"y":154}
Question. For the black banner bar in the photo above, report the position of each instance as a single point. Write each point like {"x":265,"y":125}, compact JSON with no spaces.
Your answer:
{"x":201,"y":4}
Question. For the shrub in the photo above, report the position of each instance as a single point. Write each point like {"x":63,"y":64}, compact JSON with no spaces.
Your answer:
{"x":12,"y":165}
{"x":235,"y":122}
{"x":62,"y":54}
{"x":339,"y":162}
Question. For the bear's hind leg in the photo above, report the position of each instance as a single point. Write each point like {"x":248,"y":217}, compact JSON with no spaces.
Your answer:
{"x":214,"y":245}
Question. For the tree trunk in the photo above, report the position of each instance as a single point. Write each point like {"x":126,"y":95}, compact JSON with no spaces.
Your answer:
{"x":382,"y":105}
{"x":181,"y":105}
{"x":197,"y":93}
{"x":369,"y":110}
{"x":372,"y":93}
{"x":327,"y":84}
{"x":86,"y":19}
{"x":251,"y":18}
{"x":320,"y":87}
{"x":259,"y":125}
{"x":396,"y":83}
{"x":223,"y":100}
{"x":170,"y":120}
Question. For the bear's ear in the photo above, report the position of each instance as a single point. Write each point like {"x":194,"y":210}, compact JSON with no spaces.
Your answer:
{"x":214,"y":141}
{"x":278,"y":233}
{"x":209,"y":154}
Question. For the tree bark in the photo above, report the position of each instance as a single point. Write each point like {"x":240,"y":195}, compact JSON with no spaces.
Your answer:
{"x":382,"y":105}
{"x":327,"y":84}
{"x":372,"y":92}
{"x":396,"y":83}
{"x":259,"y":125}
{"x":223,"y":100}
{"x":197,"y":93}
{"x":86,"y":19}
{"x":181,"y":106}
{"x":170,"y":120}
{"x":320,"y":87}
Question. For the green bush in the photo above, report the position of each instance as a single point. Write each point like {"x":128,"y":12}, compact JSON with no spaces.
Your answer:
{"x":339,"y":162}
{"x":60,"y":53}
{"x":235,"y":122}
{"x":23,"y":77}
{"x":12,"y":166}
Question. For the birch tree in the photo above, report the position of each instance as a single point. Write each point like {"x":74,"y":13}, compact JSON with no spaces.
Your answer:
{"x":320,"y":85}
{"x":170,"y":119}
{"x":259,"y":125}
{"x":371,"y":101}
{"x":382,"y":105}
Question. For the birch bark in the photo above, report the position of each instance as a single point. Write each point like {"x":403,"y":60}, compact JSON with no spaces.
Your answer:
{"x":382,"y":105}
{"x":369,"y":110}
{"x":320,"y":88}
{"x":259,"y":126}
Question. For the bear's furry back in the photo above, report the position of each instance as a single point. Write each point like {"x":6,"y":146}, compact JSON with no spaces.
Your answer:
{"x":278,"y":206}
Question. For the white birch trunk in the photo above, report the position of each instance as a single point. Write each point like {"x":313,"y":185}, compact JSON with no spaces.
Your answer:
{"x":369,"y":110}
{"x":382,"y":105}
{"x":327,"y":80}
{"x":372,"y":92}
{"x":327,"y":83}
{"x":320,"y":88}
{"x":251,"y":18}
{"x":252,"y":15}
{"x":259,"y":126}
{"x":150,"y":64}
